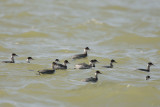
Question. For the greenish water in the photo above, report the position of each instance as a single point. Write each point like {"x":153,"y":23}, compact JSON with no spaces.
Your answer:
{"x":124,"y":30}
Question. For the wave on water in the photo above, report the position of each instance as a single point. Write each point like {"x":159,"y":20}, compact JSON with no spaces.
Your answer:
{"x":132,"y":39}
{"x":31,"y":34}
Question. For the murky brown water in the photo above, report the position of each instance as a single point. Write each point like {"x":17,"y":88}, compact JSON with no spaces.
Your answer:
{"x":124,"y":30}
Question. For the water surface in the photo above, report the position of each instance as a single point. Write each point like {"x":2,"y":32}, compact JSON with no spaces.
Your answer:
{"x":124,"y":30}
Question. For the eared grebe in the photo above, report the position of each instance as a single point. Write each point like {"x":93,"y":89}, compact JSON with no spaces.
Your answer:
{"x":28,"y":59}
{"x":148,"y":67}
{"x":92,"y":79}
{"x":12,"y":59}
{"x":111,"y":64}
{"x":86,"y":66}
{"x":148,"y":77}
{"x":78,"y":56}
{"x":61,"y":66}
{"x":48,"y":71}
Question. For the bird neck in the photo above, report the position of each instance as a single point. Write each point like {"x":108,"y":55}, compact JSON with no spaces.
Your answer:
{"x":28,"y":61}
{"x":12,"y":59}
{"x":93,"y":65}
{"x":85,"y":51}
{"x":111,"y":65}
{"x":148,"y":67}
{"x":64,"y":64}
{"x":96,"y":76}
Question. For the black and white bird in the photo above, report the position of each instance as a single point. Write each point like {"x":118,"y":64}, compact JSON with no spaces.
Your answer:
{"x":92,"y":79}
{"x":48,"y":71}
{"x":86,"y":66}
{"x":28,"y":59}
{"x":79,"y":56}
{"x":61,"y":66}
{"x":148,"y":67}
{"x":12,"y":59}
{"x":111,"y":64}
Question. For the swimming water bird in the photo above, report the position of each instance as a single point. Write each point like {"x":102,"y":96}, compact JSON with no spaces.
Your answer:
{"x":92,"y":79}
{"x":111,"y":64}
{"x":12,"y":59}
{"x":148,"y":67}
{"x":48,"y":71}
{"x":79,"y":56}
{"x":28,"y":59}
{"x":61,"y":66}
{"x":86,"y":66}
{"x":148,"y":77}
